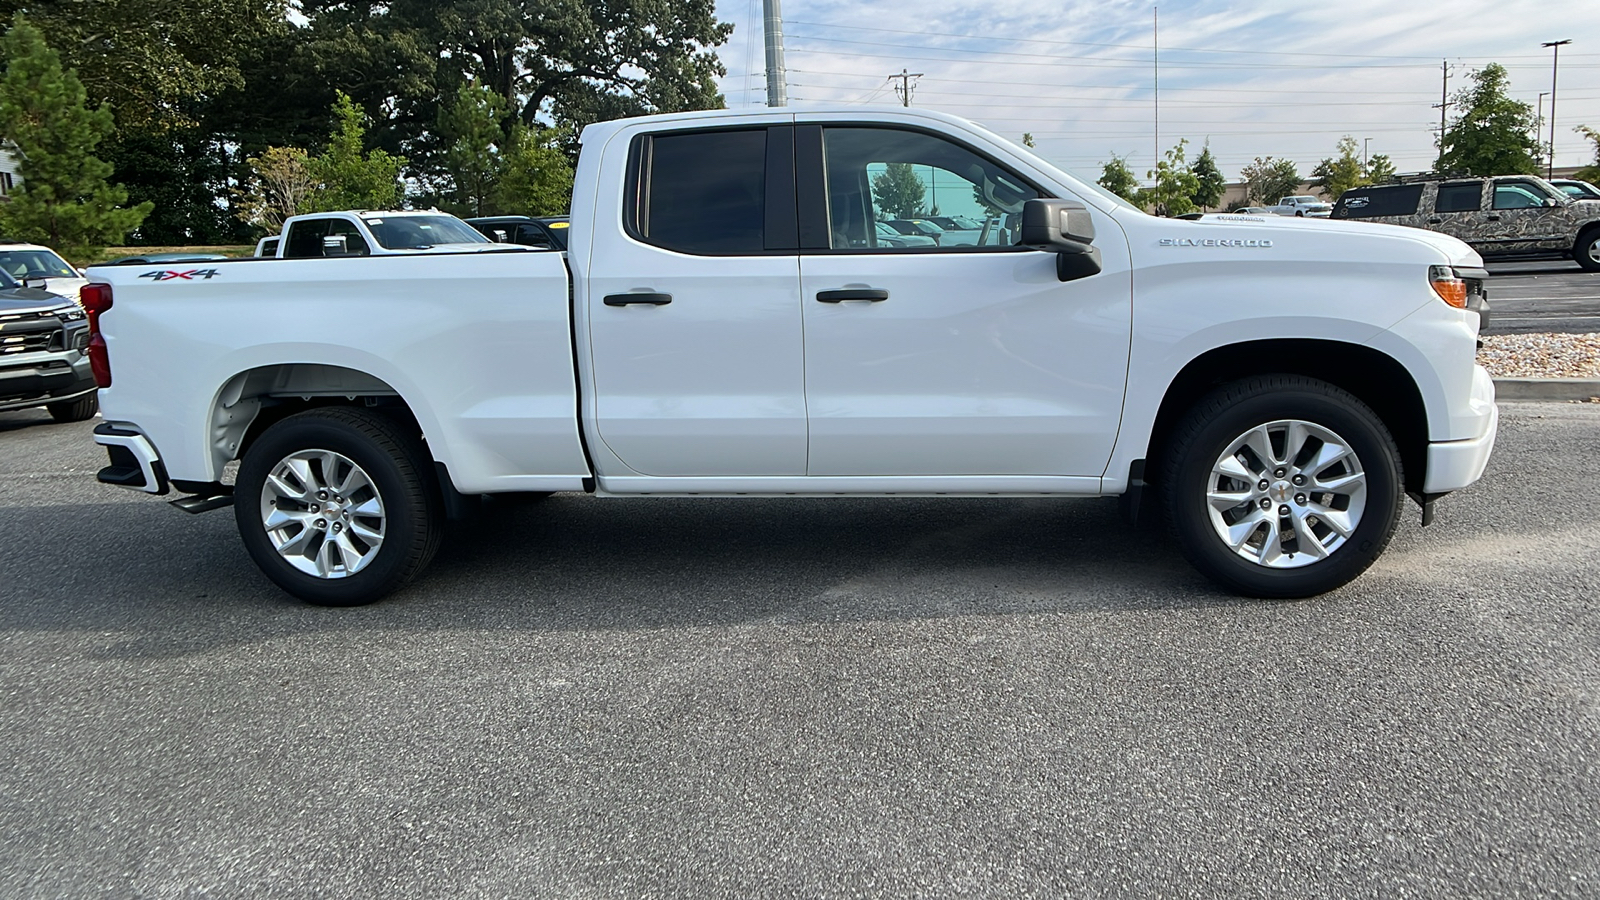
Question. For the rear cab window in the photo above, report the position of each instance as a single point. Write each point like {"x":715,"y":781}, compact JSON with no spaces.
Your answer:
{"x":1466,"y":196}
{"x":1379,"y":202}
{"x":702,"y":193}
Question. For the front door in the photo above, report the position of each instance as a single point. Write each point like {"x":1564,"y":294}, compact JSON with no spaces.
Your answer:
{"x":694,"y":318}
{"x":968,"y":357}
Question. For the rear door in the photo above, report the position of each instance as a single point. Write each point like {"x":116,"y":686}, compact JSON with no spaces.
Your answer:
{"x":693,"y":306}
{"x":1458,"y":210}
{"x":962,"y":360}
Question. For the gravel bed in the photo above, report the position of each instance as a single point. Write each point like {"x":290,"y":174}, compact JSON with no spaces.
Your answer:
{"x":1541,"y":355}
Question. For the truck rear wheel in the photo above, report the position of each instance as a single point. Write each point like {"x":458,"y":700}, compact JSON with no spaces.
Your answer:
{"x":1282,"y":486}
{"x":1587,"y":250}
{"x":335,"y":506}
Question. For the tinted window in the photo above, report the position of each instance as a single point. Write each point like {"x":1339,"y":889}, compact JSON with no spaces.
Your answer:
{"x":1370,"y":203}
{"x":1459,"y":197}
{"x":354,"y":243}
{"x":705,"y":192}
{"x":305,"y":238}
{"x":883,"y":175}
{"x":422,"y":232}
{"x":1517,"y":195}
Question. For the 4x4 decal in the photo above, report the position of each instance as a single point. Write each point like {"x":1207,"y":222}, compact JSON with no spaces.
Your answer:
{"x":172,"y":275}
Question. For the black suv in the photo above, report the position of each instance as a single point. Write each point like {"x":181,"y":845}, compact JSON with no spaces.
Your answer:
{"x":43,"y":337}
{"x":545,"y":232}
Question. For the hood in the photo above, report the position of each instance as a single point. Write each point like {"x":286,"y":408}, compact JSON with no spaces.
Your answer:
{"x":19,"y":300}
{"x":1305,"y":232}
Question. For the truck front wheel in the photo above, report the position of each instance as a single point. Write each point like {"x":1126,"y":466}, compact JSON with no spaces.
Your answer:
{"x":1282,"y":486}
{"x":335,"y":506}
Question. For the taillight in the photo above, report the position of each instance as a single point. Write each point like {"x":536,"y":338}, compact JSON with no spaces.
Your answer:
{"x":1450,"y":288}
{"x":96,"y":299}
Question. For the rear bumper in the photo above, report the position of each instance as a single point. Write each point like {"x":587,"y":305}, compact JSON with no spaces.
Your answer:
{"x":1453,"y":465}
{"x":134,"y":460}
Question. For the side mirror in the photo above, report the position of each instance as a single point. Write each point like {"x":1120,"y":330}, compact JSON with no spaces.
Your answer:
{"x":1551,"y":201}
{"x":37,"y":282}
{"x":1066,"y":228}
{"x":335,"y":245}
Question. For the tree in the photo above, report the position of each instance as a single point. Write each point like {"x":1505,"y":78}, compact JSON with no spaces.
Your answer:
{"x":1380,"y":168}
{"x":538,"y":179}
{"x":346,"y":176}
{"x":64,"y":199}
{"x":899,"y":191}
{"x":278,"y":189}
{"x":1493,"y":134}
{"x":1174,"y":184}
{"x":151,"y":61}
{"x":1116,"y":177}
{"x":1211,"y":183}
{"x":1268,"y":179}
{"x":471,"y":126}
{"x":1337,"y":174}
{"x":1590,"y":174}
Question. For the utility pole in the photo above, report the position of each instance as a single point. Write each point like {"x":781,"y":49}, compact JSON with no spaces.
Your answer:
{"x":1538,"y":119}
{"x":1444,"y":104}
{"x":1364,"y":143}
{"x":1555,"y":63}
{"x":904,"y":88}
{"x":1155,"y":43}
{"x":772,"y":30}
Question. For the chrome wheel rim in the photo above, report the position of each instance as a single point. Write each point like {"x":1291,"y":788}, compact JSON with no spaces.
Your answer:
{"x":1286,"y":494}
{"x":322,"y":514}
{"x":1594,"y":248}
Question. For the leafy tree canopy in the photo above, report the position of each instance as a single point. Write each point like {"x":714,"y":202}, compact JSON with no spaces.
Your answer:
{"x":1175,"y":185}
{"x":1116,"y":177}
{"x":64,"y":199}
{"x":899,"y":191}
{"x":1209,"y":178}
{"x":1337,"y":174}
{"x":1492,"y":134}
{"x":1268,"y":179}
{"x":1590,"y":174}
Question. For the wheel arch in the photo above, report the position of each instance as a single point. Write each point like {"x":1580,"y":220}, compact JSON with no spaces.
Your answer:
{"x":1374,"y":377}
{"x":253,"y":400}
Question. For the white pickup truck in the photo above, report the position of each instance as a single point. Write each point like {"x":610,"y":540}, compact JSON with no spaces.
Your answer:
{"x":375,"y":232}
{"x":1303,"y":205}
{"x":726,"y":324}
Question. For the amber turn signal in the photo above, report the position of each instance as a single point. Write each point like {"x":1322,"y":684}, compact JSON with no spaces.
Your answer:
{"x":1450,"y":289}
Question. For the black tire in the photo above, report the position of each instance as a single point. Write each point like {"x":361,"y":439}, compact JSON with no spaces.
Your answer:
{"x":79,"y":410}
{"x":1300,"y":214}
{"x":1229,"y":413}
{"x":398,"y":468}
{"x":1587,"y":250}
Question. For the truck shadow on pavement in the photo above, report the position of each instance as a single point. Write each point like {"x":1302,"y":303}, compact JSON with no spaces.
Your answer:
{"x":168,"y":584}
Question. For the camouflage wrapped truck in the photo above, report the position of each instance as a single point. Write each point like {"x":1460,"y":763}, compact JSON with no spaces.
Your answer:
{"x":1505,"y":217}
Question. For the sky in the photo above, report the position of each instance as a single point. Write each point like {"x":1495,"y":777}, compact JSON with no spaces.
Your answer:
{"x":1285,"y":78}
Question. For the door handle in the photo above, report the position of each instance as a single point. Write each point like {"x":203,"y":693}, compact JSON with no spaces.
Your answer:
{"x":871,"y":294}
{"x":639,"y":299}
{"x":1493,"y":218}
{"x":1435,"y":220}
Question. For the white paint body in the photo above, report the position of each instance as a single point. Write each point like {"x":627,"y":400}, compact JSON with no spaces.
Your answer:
{"x":982,"y":374}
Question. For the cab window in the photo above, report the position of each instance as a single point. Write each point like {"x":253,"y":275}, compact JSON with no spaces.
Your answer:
{"x":1517,"y":195}
{"x":305,"y":238}
{"x":1460,"y":197}
{"x":912,"y":182}
{"x":702,"y":192}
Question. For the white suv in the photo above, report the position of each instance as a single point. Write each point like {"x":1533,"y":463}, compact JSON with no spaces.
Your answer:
{"x":39,"y":266}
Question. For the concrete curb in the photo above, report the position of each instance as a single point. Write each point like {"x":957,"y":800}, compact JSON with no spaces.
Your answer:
{"x":1546,"y":388}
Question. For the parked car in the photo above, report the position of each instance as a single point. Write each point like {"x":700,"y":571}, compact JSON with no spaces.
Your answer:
{"x":889,"y":237}
{"x":539,"y":232}
{"x":43,"y":339}
{"x":40,"y":266}
{"x":1505,"y":217}
{"x":721,"y":327}
{"x":371,"y":232}
{"x":1577,"y":190}
{"x":1303,"y":206}
{"x":155,"y":258}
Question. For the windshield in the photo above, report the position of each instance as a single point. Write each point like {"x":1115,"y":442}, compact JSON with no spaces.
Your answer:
{"x":35,"y":264}
{"x":422,"y":232}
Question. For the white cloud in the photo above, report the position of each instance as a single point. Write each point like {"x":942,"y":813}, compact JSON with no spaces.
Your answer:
{"x":1282,"y":78}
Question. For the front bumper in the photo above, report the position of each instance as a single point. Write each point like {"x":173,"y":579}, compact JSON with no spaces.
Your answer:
{"x":134,"y":460}
{"x":38,"y":379}
{"x":1453,"y":465}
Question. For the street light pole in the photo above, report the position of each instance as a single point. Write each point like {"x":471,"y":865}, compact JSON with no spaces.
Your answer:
{"x":1555,"y":64}
{"x":1364,"y":143}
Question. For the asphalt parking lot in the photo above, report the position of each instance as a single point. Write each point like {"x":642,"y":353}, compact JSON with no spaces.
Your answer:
{"x":1543,"y":296}
{"x":753,"y":698}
